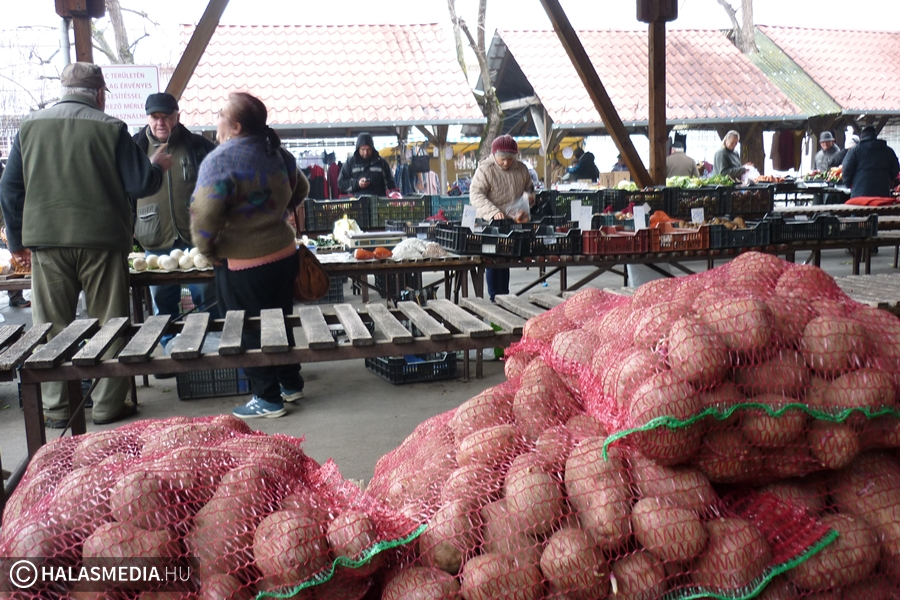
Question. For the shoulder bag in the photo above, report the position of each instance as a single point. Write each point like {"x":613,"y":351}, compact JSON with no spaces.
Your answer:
{"x":312,"y":282}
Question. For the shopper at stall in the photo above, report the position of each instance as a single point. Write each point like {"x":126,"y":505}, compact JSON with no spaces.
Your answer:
{"x":827,"y":151}
{"x":838,"y":158}
{"x":163,"y":219}
{"x":584,"y":167}
{"x":499,"y":183}
{"x":620,"y":164}
{"x":65,"y":198}
{"x":238,"y":220}
{"x":366,"y":173}
{"x":871,"y":168}
{"x":680,"y":164}
{"x":728,"y":162}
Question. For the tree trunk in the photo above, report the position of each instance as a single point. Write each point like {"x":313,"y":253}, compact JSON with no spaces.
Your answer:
{"x":123,"y":49}
{"x":742,"y":32}
{"x":457,"y":38}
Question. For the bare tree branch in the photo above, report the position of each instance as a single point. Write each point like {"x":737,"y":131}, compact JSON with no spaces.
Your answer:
{"x":123,"y":51}
{"x":742,"y":35}
{"x":732,"y":14}
{"x":37,"y":102}
{"x":135,"y":42}
{"x":141,"y":14}
{"x":457,"y":38}
{"x":101,"y":44}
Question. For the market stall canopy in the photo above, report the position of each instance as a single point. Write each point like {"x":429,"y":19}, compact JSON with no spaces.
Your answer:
{"x":332,"y":81}
{"x":860,"y":70}
{"x":709,"y":81}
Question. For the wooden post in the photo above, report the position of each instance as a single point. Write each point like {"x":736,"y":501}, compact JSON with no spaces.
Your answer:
{"x":596,"y":91}
{"x":657,"y":80}
{"x":84,"y":47}
{"x":196,"y":47}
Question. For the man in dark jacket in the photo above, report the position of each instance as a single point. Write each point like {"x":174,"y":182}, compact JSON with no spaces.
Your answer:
{"x":366,"y":173}
{"x":163,"y":219}
{"x":871,"y":168}
{"x":584,"y":168}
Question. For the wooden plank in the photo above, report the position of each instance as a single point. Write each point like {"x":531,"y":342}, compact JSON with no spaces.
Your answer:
{"x":424,"y":322}
{"x":232,"y":331}
{"x":460,"y":319}
{"x":353,"y":326}
{"x":518,"y":306}
{"x":7,"y":332}
{"x":273,"y":333}
{"x":141,"y":345}
{"x":95,"y":347}
{"x":494,"y":313}
{"x":15,"y":354}
{"x":189,"y":343}
{"x":318,"y":335}
{"x":388,"y":325}
{"x":190,"y":58}
{"x":545,"y":300}
{"x":63,"y":346}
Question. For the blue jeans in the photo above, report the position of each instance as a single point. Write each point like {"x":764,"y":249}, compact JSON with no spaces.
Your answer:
{"x":497,"y":282}
{"x":167,"y":298}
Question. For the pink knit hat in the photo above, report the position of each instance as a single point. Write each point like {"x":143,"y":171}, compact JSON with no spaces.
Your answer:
{"x":504,"y":143}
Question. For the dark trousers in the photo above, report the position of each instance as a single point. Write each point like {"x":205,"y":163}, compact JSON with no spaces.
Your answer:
{"x":251,"y":290}
{"x":497,"y":282}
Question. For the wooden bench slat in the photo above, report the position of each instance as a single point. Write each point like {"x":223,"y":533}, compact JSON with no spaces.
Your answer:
{"x":141,"y":345}
{"x":495,"y":314}
{"x":460,"y":319}
{"x":16,"y":353}
{"x":273,"y":334}
{"x":518,"y":306}
{"x":232,"y":331}
{"x":388,"y":325}
{"x":318,"y":335}
{"x":91,"y":353}
{"x":545,"y":300}
{"x":7,"y":332}
{"x":353,"y":326}
{"x":189,"y":342}
{"x":425,"y":323}
{"x":63,"y":346}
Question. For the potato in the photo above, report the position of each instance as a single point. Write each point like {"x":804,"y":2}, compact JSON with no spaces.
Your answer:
{"x":725,"y":456}
{"x":94,"y":447}
{"x":221,"y":542}
{"x":737,"y":554}
{"x":500,"y":534}
{"x":541,"y":401}
{"x":664,"y":395}
{"x":553,"y":446}
{"x":780,"y":588}
{"x":37,"y":538}
{"x":582,"y":426}
{"x":490,"y":446}
{"x":671,"y":533}
{"x":489,"y":408}
{"x":586,"y":303}
{"x":621,"y":378}
{"x":810,"y":495}
{"x":834,"y":444}
{"x":475,"y":483}
{"x":450,"y":537}
{"x":865,"y":388}
{"x":790,"y":316}
{"x":514,"y":365}
{"x":608,"y":326}
{"x":195,"y":433}
{"x":834,"y":344}
{"x":762,"y":429}
{"x":880,"y":432}
{"x":806,"y":282}
{"x":219,"y":586}
{"x":543,"y":327}
{"x":783,"y":462}
{"x":80,"y":501}
{"x":638,"y":576}
{"x":491,"y":576}
{"x":421,"y":583}
{"x":120,"y":540}
{"x":783,"y":374}
{"x":848,"y":559}
{"x":534,"y":499}
{"x":883,"y":330}
{"x":655,"y":322}
{"x":574,"y":567}
{"x":754,"y":273}
{"x":350,"y":534}
{"x":649,"y":293}
{"x":143,"y":499}
{"x":696,"y":354}
{"x":574,"y":348}
{"x":873,"y":588}
{"x":744,"y":324}
{"x":677,"y":486}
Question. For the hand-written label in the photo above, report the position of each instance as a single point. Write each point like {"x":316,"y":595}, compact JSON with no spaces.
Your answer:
{"x":697,"y":215}
{"x":468,"y":219}
{"x":585,"y":218}
{"x":576,"y":210}
{"x":640,"y":218}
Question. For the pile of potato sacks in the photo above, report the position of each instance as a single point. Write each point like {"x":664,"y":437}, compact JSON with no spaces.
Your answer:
{"x":731,"y":434}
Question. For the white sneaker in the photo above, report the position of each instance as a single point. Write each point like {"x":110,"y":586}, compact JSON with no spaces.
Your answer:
{"x":257,"y":408}
{"x":289,"y":396}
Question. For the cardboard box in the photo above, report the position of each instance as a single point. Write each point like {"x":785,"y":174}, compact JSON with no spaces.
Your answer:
{"x":610,"y":180}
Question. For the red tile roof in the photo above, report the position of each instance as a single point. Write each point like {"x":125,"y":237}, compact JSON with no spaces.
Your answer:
{"x":708,"y":79}
{"x":319,"y":77}
{"x":859,"y":69}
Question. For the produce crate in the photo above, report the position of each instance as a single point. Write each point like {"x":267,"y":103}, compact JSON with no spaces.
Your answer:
{"x":608,"y":220}
{"x":335,"y":293}
{"x":211,"y":383}
{"x":547,"y":241}
{"x":666,"y":238}
{"x":614,"y":240}
{"x":451,"y":205}
{"x":413,"y":209}
{"x":544,"y":204}
{"x":461,"y":240}
{"x":321,"y":214}
{"x":759,"y":234}
{"x":612,"y":197}
{"x":422,"y":231}
{"x":792,"y":230}
{"x":853,"y":228}
{"x":414,"y":368}
{"x":682,"y":200}
{"x":563,"y":201}
{"x":748,"y":202}
{"x":656,"y":198}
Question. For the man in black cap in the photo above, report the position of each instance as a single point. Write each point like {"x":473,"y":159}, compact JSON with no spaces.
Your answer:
{"x":827,"y":151}
{"x":65,"y":197}
{"x":871,"y":168}
{"x":163,"y":219}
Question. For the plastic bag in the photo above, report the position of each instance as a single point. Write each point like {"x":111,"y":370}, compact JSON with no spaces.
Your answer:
{"x":750,"y":175}
{"x":344,"y":226}
{"x":520,"y":210}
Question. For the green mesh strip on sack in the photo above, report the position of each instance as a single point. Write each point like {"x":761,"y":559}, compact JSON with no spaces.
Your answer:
{"x":343,"y":561}
{"x":759,"y":586}
{"x":676,"y":423}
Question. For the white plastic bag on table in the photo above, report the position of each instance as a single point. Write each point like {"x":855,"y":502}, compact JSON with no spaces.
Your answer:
{"x":344,"y":226}
{"x":520,"y":210}
{"x":750,"y":175}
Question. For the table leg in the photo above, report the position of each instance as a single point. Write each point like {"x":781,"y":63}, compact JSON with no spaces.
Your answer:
{"x":896,"y":257}
{"x":478,"y":281}
{"x":563,"y":280}
{"x":76,"y":410}
{"x":817,"y":258}
{"x":364,"y":285}
{"x":35,"y":434}
{"x":867,"y":253}
{"x":857,"y":258}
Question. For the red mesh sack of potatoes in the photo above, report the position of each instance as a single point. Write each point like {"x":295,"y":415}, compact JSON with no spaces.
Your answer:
{"x":242,"y":513}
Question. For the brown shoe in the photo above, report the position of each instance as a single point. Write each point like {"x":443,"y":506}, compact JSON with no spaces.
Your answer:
{"x":129,"y":410}
{"x":20,"y":302}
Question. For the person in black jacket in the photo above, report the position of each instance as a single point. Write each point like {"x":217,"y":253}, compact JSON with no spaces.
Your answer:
{"x":366,"y":173}
{"x":584,"y":168}
{"x":871,"y":168}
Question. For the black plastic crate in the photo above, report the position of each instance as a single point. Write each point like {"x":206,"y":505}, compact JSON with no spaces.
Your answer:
{"x":211,"y":383}
{"x":614,"y":198}
{"x":547,"y":241}
{"x":451,"y":205}
{"x":683,"y":200}
{"x":655,"y":198}
{"x":321,"y":214}
{"x":490,"y":240}
{"x":414,"y":368}
{"x":563,"y":201}
{"x":412,"y":209}
{"x":393,"y":285}
{"x":335,"y":293}
{"x":422,"y":231}
{"x":759,"y":234}
{"x":748,"y":202}
{"x":848,"y":228}
{"x":794,"y":230}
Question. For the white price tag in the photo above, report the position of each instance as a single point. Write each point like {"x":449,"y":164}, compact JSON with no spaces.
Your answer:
{"x":468,"y":219}
{"x":489,"y":248}
{"x":585,"y":218}
{"x":576,"y":210}
{"x":801,"y":218}
{"x":640,"y":218}
{"x":548,"y":240}
{"x":647,"y":209}
{"x":697,"y":215}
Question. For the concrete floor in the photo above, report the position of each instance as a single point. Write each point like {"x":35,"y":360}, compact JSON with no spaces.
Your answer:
{"x":349,"y":414}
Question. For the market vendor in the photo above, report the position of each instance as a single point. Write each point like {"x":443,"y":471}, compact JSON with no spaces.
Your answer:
{"x":827,"y":151}
{"x":366,"y":172}
{"x":727,"y":161}
{"x":499,"y":183}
